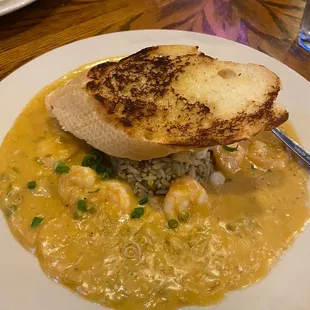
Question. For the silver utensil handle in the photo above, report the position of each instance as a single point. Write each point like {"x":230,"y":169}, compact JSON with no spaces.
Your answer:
{"x":303,"y":153}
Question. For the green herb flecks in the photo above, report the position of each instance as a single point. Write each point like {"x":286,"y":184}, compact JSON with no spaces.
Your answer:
{"x":227,"y":180}
{"x":60,"y":167}
{"x":143,"y":201}
{"x":92,"y":160}
{"x":107,"y":174}
{"x":32,"y":184}
{"x":95,"y":161}
{"x":104,"y":176}
{"x":137,"y":213}
{"x":173,"y":224}
{"x":82,"y":205}
{"x":100,"y":168}
{"x":36,"y":221}
{"x":110,"y":172}
{"x":95,"y":191}
{"x":230,"y":149}
{"x":253,"y":167}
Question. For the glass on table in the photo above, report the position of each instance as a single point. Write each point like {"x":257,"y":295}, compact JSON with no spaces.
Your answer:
{"x":304,"y":32}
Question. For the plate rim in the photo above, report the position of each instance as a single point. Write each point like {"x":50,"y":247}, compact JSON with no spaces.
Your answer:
{"x":6,"y":9}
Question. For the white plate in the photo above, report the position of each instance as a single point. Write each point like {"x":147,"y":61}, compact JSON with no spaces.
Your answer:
{"x":22,"y":283}
{"x":8,"y":6}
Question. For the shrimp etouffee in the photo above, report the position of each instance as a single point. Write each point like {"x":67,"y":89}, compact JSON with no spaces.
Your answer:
{"x":90,"y":232}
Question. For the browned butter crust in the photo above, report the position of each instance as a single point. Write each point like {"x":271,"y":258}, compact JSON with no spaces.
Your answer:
{"x":141,"y":95}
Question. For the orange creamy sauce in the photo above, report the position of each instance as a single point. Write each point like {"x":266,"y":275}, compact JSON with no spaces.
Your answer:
{"x":228,"y":243}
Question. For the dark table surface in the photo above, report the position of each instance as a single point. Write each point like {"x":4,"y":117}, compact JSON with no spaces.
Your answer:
{"x":269,"y":26}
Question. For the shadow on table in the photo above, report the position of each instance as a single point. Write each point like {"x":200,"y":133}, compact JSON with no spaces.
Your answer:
{"x":28,"y":17}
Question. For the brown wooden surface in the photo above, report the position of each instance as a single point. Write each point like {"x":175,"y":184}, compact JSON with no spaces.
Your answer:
{"x":270,"y":26}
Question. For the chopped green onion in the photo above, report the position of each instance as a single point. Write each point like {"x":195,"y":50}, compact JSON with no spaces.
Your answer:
{"x":32,"y":184}
{"x":110,"y":172}
{"x":82,"y":206}
{"x":137,"y":213}
{"x":184,"y":216}
{"x":173,"y":224}
{"x":36,"y":221}
{"x":105,"y":173}
{"x":230,"y":149}
{"x":269,"y":170}
{"x":88,"y":161}
{"x":60,"y":167}
{"x":143,"y":201}
{"x":92,"y":160}
{"x":95,"y":191}
{"x":100,"y":169}
{"x":104,"y":176}
{"x":228,"y":180}
{"x":253,"y":167}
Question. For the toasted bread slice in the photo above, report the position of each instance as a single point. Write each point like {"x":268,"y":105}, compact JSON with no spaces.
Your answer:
{"x":166,"y":99}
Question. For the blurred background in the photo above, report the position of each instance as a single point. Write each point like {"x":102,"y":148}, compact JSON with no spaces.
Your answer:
{"x":268,"y":26}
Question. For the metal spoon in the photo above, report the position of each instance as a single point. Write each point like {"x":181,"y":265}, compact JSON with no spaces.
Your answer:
{"x":303,"y":153}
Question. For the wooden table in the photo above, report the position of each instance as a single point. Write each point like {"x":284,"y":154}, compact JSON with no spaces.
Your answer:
{"x":270,"y":26}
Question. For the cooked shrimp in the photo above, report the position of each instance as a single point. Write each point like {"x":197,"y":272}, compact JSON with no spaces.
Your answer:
{"x":117,"y":193}
{"x":229,"y":162}
{"x":74,"y":185}
{"x":114,"y":197}
{"x":265,"y":157}
{"x":52,"y":149}
{"x":183,"y":193}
